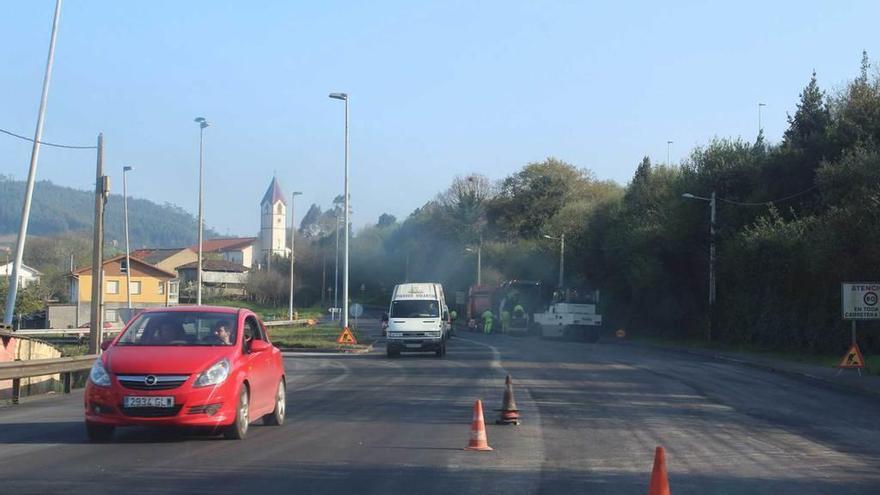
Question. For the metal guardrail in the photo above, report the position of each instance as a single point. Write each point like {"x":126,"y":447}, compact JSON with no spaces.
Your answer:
{"x":278,"y":323}
{"x":31,"y":332}
{"x":16,"y":370}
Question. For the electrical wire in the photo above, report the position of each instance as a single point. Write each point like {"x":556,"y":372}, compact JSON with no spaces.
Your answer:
{"x":764,"y":203}
{"x":4,"y":131}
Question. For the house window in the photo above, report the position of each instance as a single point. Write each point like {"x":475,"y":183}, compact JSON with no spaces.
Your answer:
{"x":135,"y":288}
{"x":173,"y":287}
{"x":111,"y":315}
{"x":279,"y":209}
{"x":161,"y":288}
{"x":112,"y":287}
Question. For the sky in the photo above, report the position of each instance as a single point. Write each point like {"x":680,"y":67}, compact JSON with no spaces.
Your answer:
{"x":437,"y":89}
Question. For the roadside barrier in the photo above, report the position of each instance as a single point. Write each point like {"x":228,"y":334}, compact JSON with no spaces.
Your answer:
{"x":479,"y":441}
{"x":659,"y":481}
{"x":16,"y":370}
{"x":509,"y":412}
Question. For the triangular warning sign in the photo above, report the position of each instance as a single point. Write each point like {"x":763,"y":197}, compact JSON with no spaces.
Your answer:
{"x":346,"y":337}
{"x":853,"y":358}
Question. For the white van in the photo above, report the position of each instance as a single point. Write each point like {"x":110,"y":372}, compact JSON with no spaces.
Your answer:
{"x":418,"y":320}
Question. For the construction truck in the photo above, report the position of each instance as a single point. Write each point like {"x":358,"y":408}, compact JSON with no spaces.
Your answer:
{"x":518,"y":300}
{"x":571,"y":317}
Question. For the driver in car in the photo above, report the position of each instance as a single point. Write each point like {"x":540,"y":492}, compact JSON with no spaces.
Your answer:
{"x":222,"y":335}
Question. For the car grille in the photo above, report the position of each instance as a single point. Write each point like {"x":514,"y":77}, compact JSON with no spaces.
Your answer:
{"x":150,"y":412}
{"x":162,"y":382}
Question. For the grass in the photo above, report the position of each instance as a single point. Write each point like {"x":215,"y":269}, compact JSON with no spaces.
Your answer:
{"x":316,"y":337}
{"x":817,"y":359}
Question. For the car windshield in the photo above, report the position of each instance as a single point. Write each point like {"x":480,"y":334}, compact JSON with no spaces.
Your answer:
{"x":415,"y":308}
{"x":179,"y":328}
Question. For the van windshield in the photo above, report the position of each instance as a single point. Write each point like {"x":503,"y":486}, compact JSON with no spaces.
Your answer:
{"x":415,"y":308}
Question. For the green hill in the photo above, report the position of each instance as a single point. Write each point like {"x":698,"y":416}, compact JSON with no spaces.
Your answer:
{"x":58,"y":210}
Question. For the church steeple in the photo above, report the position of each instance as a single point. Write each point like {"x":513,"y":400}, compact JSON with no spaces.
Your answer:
{"x":273,"y":222}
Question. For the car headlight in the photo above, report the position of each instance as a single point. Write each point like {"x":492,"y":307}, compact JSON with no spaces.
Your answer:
{"x":98,"y":375}
{"x":215,"y":375}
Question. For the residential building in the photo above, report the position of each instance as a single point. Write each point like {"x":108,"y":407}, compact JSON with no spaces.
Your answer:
{"x":233,"y":249}
{"x":166,"y":259}
{"x":26,"y":275}
{"x":219,"y":278}
{"x":150,"y":286}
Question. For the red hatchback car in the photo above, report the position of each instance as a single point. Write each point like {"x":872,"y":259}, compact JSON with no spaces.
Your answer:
{"x":187,"y":366}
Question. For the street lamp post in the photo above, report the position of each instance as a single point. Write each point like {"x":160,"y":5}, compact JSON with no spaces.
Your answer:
{"x":125,"y":171}
{"x":292,"y":238}
{"x":479,"y":251}
{"x":760,"y":127}
{"x":344,"y":98}
{"x":712,"y":202}
{"x":561,"y":240}
{"x":668,"y":146}
{"x":202,"y":125}
{"x":12,"y":287}
{"x":336,"y":271}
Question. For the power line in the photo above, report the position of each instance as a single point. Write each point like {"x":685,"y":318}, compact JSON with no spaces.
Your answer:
{"x":764,"y":203}
{"x":19,"y":136}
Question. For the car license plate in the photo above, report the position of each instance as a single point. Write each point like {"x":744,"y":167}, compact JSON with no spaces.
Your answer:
{"x":413,"y":346}
{"x":148,"y":401}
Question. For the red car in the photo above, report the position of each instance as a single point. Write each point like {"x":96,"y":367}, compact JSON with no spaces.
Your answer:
{"x":187,"y":366}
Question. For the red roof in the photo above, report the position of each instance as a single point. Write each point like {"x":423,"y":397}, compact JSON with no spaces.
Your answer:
{"x":224,"y":244}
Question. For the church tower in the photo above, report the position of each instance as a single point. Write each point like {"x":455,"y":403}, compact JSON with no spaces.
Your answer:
{"x":273,"y":222}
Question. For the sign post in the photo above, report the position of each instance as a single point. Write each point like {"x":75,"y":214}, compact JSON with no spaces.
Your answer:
{"x":859,"y":301}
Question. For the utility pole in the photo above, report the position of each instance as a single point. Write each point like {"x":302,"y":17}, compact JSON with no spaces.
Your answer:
{"x":711,"y":265}
{"x":336,"y":268}
{"x":561,"y":260}
{"x":12,"y":287}
{"x":760,"y":126}
{"x":102,"y":192}
{"x":292,"y":252}
{"x":125,"y":171}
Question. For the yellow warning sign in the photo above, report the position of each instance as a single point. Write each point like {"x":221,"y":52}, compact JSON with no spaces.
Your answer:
{"x":853,"y":358}
{"x":346,"y":337}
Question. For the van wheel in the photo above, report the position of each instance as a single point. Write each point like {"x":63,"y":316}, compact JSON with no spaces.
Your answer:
{"x":392,"y":353}
{"x":239,"y":428}
{"x":99,"y":433}
{"x":441,"y":351}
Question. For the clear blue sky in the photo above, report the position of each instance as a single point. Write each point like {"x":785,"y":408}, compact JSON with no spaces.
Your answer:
{"x":437,"y":89}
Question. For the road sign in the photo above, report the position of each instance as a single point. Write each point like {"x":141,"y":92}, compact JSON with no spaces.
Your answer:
{"x":861,"y":301}
{"x":356,"y":310}
{"x":346,"y":337}
{"x":853,"y":358}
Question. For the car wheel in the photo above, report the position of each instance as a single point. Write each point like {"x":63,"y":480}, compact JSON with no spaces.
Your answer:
{"x":239,"y":428}
{"x":276,"y":417}
{"x":99,"y":433}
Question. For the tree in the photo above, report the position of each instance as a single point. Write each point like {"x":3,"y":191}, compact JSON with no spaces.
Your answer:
{"x":386,"y":220}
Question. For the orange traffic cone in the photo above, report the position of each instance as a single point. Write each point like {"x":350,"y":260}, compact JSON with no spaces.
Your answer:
{"x":509,"y":412}
{"x":478,"y":430}
{"x":659,"y":482}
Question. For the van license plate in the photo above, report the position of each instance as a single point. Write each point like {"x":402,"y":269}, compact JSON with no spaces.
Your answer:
{"x":148,"y":401}
{"x":413,"y":346}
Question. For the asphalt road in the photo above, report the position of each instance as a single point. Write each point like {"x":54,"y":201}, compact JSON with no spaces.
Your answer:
{"x":593,"y":414}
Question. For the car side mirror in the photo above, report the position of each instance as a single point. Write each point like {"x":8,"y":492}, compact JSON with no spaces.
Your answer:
{"x":106,"y":345}
{"x":259,"y":346}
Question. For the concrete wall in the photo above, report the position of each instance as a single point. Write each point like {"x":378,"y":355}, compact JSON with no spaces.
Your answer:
{"x":23,"y":350}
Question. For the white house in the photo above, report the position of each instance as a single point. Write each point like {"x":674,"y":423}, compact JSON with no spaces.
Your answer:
{"x":26,"y":275}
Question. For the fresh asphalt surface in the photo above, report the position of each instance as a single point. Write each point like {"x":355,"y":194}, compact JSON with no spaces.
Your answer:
{"x":592,"y":415}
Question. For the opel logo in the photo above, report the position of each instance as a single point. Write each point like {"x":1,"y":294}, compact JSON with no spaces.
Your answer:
{"x":150,"y":380}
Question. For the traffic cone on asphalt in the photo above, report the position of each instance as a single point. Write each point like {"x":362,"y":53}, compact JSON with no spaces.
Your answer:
{"x":478,"y":439}
{"x":509,"y":412}
{"x":659,"y":482}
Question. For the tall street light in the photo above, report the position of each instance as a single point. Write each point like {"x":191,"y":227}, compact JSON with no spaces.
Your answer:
{"x":125,"y":171}
{"x":711,"y":201}
{"x":12,"y":288}
{"x":293,"y":196}
{"x":760,"y":127}
{"x":336,"y":270}
{"x":344,"y":98}
{"x":202,"y":125}
{"x":668,"y":146}
{"x":561,"y":240}
{"x":479,"y":251}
